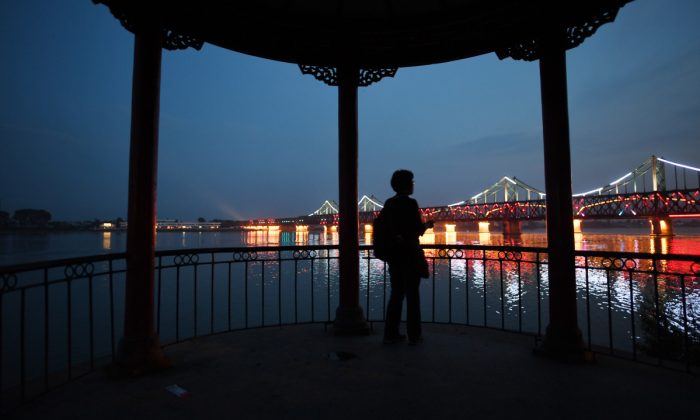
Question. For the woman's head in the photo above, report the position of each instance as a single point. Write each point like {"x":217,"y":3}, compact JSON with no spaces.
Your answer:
{"x":402,"y":181}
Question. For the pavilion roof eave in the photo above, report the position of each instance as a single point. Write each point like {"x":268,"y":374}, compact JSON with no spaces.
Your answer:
{"x":408,"y":59}
{"x":374,"y":34}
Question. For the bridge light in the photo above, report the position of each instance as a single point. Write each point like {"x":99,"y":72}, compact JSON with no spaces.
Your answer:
{"x":679,"y":164}
{"x":598,"y":190}
{"x":685,"y":216}
{"x":617,"y":181}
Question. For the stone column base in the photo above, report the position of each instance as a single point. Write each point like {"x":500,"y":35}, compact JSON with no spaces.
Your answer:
{"x":564,"y":344}
{"x":350,"y":321}
{"x":140,"y":356}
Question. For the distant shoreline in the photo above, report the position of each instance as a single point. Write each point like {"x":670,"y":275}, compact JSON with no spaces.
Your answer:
{"x":98,"y":230}
{"x":589,"y":226}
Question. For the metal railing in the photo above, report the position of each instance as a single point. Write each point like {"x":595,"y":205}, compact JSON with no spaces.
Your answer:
{"x":61,"y":319}
{"x":57,"y":321}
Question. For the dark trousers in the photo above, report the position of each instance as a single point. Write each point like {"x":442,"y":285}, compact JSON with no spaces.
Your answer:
{"x":404,"y":283}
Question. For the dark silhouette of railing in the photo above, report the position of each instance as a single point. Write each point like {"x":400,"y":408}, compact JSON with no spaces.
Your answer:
{"x":60,"y":319}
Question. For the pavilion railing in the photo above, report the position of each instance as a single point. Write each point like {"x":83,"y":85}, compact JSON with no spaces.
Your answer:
{"x":61,"y":319}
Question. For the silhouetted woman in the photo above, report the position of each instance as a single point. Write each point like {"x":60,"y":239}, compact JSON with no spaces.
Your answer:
{"x":407,"y":263}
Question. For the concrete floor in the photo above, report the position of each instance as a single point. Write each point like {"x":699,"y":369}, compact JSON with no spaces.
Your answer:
{"x":304,"y":372}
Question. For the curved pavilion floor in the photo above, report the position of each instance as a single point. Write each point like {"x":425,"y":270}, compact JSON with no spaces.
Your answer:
{"x":458,"y":372}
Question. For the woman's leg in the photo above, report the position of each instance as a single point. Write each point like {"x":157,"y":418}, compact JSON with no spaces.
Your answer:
{"x":413,"y":321}
{"x":393,"y":310}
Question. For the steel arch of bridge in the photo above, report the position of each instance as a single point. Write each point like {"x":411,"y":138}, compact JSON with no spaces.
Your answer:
{"x":611,"y":201}
{"x":638,"y":205}
{"x":618,"y":206}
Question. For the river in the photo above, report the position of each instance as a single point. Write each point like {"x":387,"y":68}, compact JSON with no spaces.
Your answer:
{"x":28,"y":246}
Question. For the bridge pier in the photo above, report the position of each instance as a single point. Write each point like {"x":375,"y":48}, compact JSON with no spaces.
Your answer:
{"x":512,"y":227}
{"x":484,"y":227}
{"x":661,"y":226}
{"x":577,"y":225}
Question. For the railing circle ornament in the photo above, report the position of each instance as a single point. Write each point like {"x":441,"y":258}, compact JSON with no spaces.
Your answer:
{"x":695,"y":268}
{"x":79,"y":270}
{"x":304,"y":254}
{"x":618,"y":263}
{"x":186,"y":259}
{"x":245,"y":256}
{"x":8,"y":282}
{"x":450,"y":253}
{"x":606,"y":262}
{"x":510,"y":255}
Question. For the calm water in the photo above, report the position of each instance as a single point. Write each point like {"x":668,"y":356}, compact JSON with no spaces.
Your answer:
{"x":16,"y":248}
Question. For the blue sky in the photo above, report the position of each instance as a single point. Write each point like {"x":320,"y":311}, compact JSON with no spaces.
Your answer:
{"x":243,"y":137}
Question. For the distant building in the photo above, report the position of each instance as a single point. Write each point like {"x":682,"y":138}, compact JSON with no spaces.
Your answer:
{"x":165,"y":224}
{"x":177,"y":225}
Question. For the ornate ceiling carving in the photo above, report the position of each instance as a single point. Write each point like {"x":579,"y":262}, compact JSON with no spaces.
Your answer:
{"x":172,"y":40}
{"x":531,"y":49}
{"x":329,"y":75}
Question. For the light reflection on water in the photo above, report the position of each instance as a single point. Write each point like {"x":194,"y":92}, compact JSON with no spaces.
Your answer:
{"x":16,"y":248}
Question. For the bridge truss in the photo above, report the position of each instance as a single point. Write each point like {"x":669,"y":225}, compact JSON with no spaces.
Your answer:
{"x":509,"y":189}
{"x":654,"y":174}
{"x":641,"y":193}
{"x":638,"y":205}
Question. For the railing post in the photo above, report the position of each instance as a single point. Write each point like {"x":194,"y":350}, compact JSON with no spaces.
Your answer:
{"x":563,"y":337}
{"x":139,"y":348}
{"x":349,"y":316}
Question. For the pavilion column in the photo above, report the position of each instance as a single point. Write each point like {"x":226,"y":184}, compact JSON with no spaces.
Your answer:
{"x":139,"y":349}
{"x":563,"y":336}
{"x":349,"y":317}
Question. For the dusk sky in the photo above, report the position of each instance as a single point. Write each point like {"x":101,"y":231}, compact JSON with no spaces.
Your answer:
{"x":243,"y":137}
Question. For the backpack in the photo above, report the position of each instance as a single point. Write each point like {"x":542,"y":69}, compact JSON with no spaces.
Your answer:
{"x":383,"y":242}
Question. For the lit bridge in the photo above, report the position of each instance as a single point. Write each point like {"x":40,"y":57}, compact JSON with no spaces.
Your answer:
{"x":657,"y":189}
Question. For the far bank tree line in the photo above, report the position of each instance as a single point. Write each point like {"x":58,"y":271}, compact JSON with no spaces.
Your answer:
{"x":41,"y":219}
{"x":25,"y":218}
